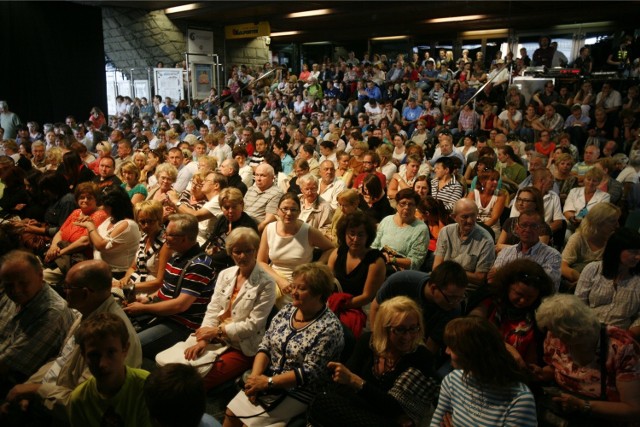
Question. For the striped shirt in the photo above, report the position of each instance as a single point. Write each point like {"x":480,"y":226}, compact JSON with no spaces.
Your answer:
{"x":449,"y":194}
{"x":198,"y":282}
{"x":475,"y":405}
{"x":259,"y":203}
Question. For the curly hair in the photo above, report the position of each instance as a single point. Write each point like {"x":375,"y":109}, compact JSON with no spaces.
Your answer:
{"x":354,"y":220}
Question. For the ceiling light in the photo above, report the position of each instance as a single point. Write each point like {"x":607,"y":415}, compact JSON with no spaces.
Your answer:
{"x":455,"y":19}
{"x":317,"y":43}
{"x":492,"y":33}
{"x":389,"y":38}
{"x":308,"y":13}
{"x":183,"y":8}
{"x":285,"y":33}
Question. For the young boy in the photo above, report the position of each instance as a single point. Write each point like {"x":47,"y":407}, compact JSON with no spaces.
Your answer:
{"x":113,"y":396}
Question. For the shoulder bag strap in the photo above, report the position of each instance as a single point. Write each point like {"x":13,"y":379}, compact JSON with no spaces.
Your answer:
{"x":178,"y":287}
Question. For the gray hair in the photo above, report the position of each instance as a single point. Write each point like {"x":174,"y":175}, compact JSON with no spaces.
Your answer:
{"x":567,"y":317}
{"x":186,"y":224}
{"x":242,"y":235}
{"x":37,"y":143}
{"x":308,"y":178}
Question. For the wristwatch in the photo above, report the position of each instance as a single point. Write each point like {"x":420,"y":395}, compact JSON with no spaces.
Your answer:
{"x":586,"y":407}
{"x":269,"y":383}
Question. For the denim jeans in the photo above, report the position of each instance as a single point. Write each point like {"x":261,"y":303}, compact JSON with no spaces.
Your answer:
{"x":162,"y":336}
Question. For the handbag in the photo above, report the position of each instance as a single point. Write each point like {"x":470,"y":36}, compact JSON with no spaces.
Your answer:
{"x":204,"y":363}
{"x":267,"y":400}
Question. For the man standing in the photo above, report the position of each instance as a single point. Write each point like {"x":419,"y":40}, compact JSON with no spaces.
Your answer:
{"x":467,"y":243}
{"x":9,"y":121}
{"x":528,"y":227}
{"x":544,"y":54}
{"x":261,"y":200}
{"x":88,"y":290}
{"x":438,"y":294}
{"x":34,"y":319}
{"x":180,"y":304}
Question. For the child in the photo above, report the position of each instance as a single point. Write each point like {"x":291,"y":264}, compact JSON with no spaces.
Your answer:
{"x":113,"y":396}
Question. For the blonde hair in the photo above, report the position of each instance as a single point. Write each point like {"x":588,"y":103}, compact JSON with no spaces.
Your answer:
{"x":596,"y":217}
{"x":167,"y":168}
{"x":130,"y":167}
{"x":231,"y":195}
{"x":151,"y":207}
{"x":398,"y":308}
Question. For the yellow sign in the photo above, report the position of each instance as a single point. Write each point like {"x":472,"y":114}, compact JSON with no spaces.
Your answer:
{"x":247,"y":31}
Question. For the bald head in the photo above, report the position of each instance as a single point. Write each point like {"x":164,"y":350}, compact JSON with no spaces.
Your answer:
{"x":465,"y":205}
{"x":93,"y":274}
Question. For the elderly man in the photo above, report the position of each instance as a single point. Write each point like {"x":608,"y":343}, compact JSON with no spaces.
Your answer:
{"x":261,"y":200}
{"x":38,"y":160}
{"x":438,"y":294}
{"x":330,"y":186}
{"x":315,"y":210}
{"x":536,"y":161}
{"x":34,"y":319}
{"x":528,"y":227}
{"x":182,"y":300}
{"x":591,"y":155}
{"x":88,"y":290}
{"x":467,"y":243}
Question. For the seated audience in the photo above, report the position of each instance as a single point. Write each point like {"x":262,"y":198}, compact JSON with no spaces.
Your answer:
{"x":288,"y":243}
{"x":374,"y":201}
{"x":131,"y":182}
{"x":588,"y":242}
{"x":179,"y":305}
{"x":237,"y":314}
{"x":576,"y":361}
{"x":315,"y":211}
{"x":489,"y":200}
{"x":87,"y":290}
{"x":389,"y":378}
{"x":261,"y":200}
{"x":114,"y":392}
{"x":482,"y":367}
{"x":293,"y":356}
{"x":610,"y":287}
{"x":402,"y":238}
{"x":467,"y":243}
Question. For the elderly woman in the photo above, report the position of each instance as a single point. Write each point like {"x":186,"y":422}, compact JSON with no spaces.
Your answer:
{"x":116,"y":239}
{"x":147,"y":270}
{"x":359,"y":268}
{"x":487,"y":386}
{"x":611,"y":287}
{"x":71,"y":238}
{"x":510,"y":303}
{"x":287,"y":243}
{"x":293,"y":356}
{"x":166,"y":175}
{"x":587,"y":243}
{"x":131,"y":182}
{"x":316,"y":211}
{"x":388,"y":380}
{"x":402,"y":237}
{"x":237,"y":314}
{"x":582,"y":199}
{"x":595,"y":366}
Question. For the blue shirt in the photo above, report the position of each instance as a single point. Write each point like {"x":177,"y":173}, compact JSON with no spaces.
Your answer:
{"x":374,"y":93}
{"x":412,"y":114}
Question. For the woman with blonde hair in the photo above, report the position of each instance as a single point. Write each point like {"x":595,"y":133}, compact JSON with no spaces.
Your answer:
{"x":166,"y":175}
{"x":588,"y":242}
{"x":388,"y":380}
{"x":131,"y":176}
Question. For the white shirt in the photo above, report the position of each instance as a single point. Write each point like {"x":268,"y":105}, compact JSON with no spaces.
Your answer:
{"x":552,"y":208}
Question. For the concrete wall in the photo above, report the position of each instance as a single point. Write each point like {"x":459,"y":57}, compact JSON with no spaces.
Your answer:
{"x":139,"y":39}
{"x":250,"y":52}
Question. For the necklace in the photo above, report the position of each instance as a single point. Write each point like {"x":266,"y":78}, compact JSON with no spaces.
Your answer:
{"x":303,"y":320}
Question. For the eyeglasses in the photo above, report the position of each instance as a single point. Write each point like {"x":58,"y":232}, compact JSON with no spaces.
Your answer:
{"x":289,"y":210}
{"x":146,"y":221}
{"x":452,"y":299}
{"x":521,"y":200}
{"x":407,"y":205}
{"x":528,"y":226}
{"x":399,"y":330}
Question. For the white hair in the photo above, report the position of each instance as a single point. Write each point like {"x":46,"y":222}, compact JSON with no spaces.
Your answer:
{"x":567,"y":317}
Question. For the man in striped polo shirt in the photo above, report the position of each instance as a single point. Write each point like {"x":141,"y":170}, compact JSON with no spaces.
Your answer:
{"x":182,"y":300}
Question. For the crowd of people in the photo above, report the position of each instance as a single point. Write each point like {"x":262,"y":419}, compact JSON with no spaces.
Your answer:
{"x":370,"y":242}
